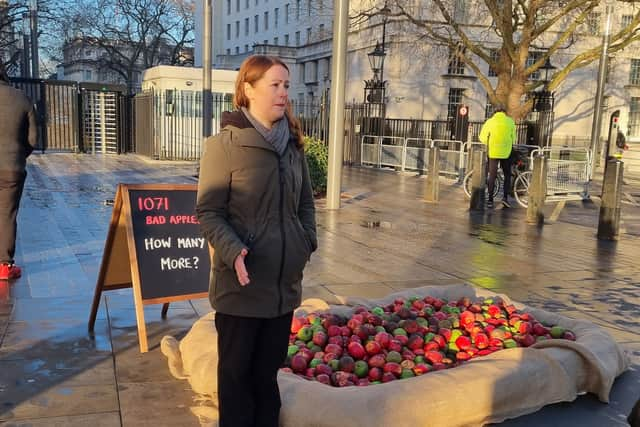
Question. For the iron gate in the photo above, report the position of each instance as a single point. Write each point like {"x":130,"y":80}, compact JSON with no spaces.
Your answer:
{"x":56,"y":104}
{"x":78,"y":117}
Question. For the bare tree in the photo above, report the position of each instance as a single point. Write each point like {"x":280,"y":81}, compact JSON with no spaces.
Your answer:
{"x":502,"y":33}
{"x":131,"y":35}
{"x":10,"y":43}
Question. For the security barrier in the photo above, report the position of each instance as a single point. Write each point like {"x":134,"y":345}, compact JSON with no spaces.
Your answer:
{"x":568,"y":171}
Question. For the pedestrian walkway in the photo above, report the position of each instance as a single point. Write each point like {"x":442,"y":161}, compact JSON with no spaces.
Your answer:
{"x":385,"y":238}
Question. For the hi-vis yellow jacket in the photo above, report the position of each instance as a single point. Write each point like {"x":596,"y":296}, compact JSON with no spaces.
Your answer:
{"x":499,"y":134}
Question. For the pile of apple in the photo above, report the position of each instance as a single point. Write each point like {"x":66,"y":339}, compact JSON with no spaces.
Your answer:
{"x":407,"y":338}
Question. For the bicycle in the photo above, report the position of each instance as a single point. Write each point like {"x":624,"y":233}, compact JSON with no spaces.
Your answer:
{"x":520,"y":179}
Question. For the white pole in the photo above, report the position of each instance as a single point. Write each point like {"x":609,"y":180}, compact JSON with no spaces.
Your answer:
{"x":336,"y":118}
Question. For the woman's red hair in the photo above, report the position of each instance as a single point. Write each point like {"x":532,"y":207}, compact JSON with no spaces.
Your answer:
{"x":253,"y":69}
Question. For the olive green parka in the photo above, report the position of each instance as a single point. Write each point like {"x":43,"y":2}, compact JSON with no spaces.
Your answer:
{"x":250,"y":197}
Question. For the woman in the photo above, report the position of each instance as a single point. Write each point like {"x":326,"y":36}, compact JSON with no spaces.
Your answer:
{"x":255,"y":206}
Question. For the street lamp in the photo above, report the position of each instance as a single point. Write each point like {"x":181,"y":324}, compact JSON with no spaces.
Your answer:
{"x":375,"y":88}
{"x":544,"y":97}
{"x":547,"y":67}
{"x":376,"y":60}
{"x":543,"y":105}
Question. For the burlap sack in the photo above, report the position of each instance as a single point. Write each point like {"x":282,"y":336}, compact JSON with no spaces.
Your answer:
{"x":505,"y":384}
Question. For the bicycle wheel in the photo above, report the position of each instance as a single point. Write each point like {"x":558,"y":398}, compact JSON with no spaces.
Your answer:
{"x":468,"y":180}
{"x":521,"y":188}
{"x":466,"y":184}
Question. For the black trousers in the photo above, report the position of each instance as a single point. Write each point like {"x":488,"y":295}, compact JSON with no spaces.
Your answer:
{"x":505,"y":165}
{"x":250,"y":352}
{"x":11,"y":186}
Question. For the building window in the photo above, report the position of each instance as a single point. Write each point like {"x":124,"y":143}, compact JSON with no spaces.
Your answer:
{"x":626,"y":20}
{"x":286,"y":13}
{"x":593,"y":23}
{"x":286,"y":39}
{"x":237,"y":50}
{"x":275,"y":41}
{"x":297,"y":10}
{"x":228,"y":31}
{"x":246,"y":4}
{"x":634,"y":117}
{"x":237,"y":5}
{"x":257,"y":2}
{"x":87,"y":75}
{"x":634,"y":76}
{"x":265,"y":41}
{"x":237,"y":29}
{"x":456,"y":64}
{"x":228,"y":7}
{"x":455,"y":99}
{"x":532,"y":58}
{"x":321,"y":31}
{"x":495,"y":57}
{"x":297,"y":38}
{"x":308,"y":7}
{"x":246,"y":26}
{"x":309,"y":35}
{"x":228,"y":51}
{"x":276,"y":13}
{"x":256,"y":18}
{"x":246,"y":48}
{"x":266,"y":21}
{"x":320,"y":5}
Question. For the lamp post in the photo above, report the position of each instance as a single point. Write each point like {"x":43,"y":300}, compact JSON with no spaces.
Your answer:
{"x":544,"y":103}
{"x":374,"y":92}
{"x":374,"y":89}
{"x":596,"y":124}
{"x":35,"y":65}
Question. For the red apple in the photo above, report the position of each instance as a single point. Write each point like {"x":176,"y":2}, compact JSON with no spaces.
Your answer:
{"x":333,"y":348}
{"x":373,"y":347}
{"x":377,"y":361}
{"x":463,"y":343}
{"x":375,"y":374}
{"x":383,"y":339}
{"x":298,"y":363}
{"x":393,"y":367}
{"x":395,"y":345}
{"x":356,"y":350}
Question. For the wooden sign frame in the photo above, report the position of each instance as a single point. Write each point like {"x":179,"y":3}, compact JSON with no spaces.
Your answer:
{"x":120,"y":251}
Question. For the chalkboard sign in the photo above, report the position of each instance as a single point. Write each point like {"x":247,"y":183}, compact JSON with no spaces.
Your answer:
{"x":154,"y":245}
{"x":172,"y":255}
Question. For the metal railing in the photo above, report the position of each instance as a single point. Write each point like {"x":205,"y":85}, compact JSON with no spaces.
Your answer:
{"x":412,"y":153}
{"x":568,"y":172}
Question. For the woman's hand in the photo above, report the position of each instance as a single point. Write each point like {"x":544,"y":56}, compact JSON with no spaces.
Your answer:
{"x":241,"y":269}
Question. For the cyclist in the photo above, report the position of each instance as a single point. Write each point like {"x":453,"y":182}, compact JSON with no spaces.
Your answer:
{"x":499,"y":134}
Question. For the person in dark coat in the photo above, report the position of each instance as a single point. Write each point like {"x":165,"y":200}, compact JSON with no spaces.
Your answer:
{"x":255,"y":206}
{"x":18,"y":138}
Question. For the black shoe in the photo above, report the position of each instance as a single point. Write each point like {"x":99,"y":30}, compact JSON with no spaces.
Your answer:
{"x":505,"y":203}
{"x":490,"y":204}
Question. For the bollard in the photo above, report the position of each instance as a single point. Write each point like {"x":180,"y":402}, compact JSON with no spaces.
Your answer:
{"x":479,"y":178}
{"x":433,"y":176}
{"x":537,"y":191}
{"x":609,"y":220}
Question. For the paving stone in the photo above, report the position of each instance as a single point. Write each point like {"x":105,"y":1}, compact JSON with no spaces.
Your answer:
{"x":157,"y":404}
{"x":28,"y":400}
{"x":105,"y":419}
{"x":63,"y":220}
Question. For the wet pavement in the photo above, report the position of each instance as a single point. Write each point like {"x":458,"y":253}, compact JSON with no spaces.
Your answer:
{"x":53,"y":372}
